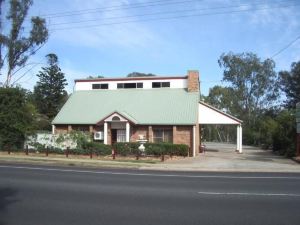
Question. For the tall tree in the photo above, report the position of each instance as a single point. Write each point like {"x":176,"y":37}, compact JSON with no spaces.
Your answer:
{"x":254,"y":81}
{"x":225,"y":99}
{"x":49,"y":93}
{"x":17,"y":48}
{"x":290,"y":84}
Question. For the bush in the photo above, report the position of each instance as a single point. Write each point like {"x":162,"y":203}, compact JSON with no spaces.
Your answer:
{"x":126,"y":148}
{"x":52,"y":150}
{"x":156,"y":149}
{"x":96,"y":148}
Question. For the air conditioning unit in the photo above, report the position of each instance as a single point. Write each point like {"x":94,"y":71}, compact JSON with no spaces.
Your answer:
{"x":98,"y":135}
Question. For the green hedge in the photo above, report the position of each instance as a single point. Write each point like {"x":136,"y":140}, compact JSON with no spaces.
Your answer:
{"x":157,"y":149}
{"x":96,"y":148}
{"x":126,"y":148}
{"x":166,"y":149}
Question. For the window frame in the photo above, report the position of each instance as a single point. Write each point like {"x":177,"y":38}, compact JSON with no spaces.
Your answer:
{"x":100,"y":86}
{"x":163,"y":135}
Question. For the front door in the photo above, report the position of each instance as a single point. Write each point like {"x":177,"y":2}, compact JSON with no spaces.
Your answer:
{"x":118,"y":135}
{"x":113,"y":136}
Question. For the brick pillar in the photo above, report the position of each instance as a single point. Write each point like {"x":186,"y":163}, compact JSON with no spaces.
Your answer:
{"x":174,"y":135}
{"x":193,"y":81}
{"x":69,"y":128}
{"x":150,"y":134}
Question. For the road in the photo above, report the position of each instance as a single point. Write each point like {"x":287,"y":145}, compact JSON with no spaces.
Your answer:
{"x":40,"y":195}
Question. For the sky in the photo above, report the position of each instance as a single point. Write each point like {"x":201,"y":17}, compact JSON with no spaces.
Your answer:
{"x":112,"y":38}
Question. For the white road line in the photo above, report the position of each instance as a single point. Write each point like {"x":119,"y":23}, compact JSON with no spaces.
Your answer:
{"x":147,"y":174}
{"x":249,"y":194}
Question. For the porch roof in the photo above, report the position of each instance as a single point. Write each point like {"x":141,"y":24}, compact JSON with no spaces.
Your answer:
{"x":149,"y":107}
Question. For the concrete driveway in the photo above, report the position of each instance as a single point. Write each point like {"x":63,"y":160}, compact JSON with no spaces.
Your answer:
{"x":222,"y":157}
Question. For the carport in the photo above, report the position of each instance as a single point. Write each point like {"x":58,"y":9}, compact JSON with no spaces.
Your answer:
{"x":210,"y":115}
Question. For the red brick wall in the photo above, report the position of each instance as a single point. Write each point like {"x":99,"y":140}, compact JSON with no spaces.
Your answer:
{"x":135,"y":131}
{"x":61,"y":129}
{"x":193,"y":81}
{"x":184,"y":135}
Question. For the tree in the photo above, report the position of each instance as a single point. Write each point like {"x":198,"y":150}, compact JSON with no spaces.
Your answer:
{"x":16,"y":118}
{"x":16,"y":47}
{"x":290,"y":84}
{"x":96,"y":77}
{"x":225,"y":99}
{"x":49,"y":92}
{"x":254,"y":82}
{"x":137,"y":74}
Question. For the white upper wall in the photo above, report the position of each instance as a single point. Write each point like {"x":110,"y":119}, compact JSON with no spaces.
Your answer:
{"x":210,"y":115}
{"x":112,"y":84}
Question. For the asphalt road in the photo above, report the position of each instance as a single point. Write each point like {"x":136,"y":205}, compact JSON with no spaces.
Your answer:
{"x":37,"y":195}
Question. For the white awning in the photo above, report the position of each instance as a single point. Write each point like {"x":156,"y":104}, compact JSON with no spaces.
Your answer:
{"x":210,"y":115}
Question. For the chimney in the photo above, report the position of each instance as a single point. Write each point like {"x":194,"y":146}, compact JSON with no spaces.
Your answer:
{"x":193,"y":81}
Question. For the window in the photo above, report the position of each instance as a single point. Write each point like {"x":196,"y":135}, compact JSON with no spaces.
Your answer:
{"x":165,"y":84}
{"x":162,"y":135}
{"x":115,"y":118}
{"x":160,"y":84}
{"x":99,"y":86}
{"x":129,"y":85}
{"x":121,"y":135}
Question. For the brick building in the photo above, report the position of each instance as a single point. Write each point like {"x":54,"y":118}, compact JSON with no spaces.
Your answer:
{"x":162,"y":109}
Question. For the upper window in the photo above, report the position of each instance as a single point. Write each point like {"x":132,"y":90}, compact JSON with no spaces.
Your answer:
{"x":160,"y":84}
{"x":129,"y":85}
{"x":99,"y":86}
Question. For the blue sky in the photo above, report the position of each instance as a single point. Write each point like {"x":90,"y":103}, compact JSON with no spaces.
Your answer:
{"x":163,"y":47}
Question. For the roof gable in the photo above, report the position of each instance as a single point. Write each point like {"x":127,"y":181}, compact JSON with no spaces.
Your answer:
{"x":210,"y":115}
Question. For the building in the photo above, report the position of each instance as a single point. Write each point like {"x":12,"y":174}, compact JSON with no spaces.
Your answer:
{"x":162,"y":109}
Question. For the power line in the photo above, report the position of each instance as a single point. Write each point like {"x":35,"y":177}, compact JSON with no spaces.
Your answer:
{"x":173,"y":17}
{"x":107,"y":9}
{"x":159,"y":13}
{"x":287,"y":46}
{"x":93,"y":9}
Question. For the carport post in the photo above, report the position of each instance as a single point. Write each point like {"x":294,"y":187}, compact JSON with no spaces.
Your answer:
{"x":238,"y":138}
{"x":241,"y":139}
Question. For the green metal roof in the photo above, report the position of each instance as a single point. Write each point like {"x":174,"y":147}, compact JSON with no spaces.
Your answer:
{"x":141,"y":106}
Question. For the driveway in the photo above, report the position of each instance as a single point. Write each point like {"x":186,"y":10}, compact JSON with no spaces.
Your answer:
{"x":222,"y":157}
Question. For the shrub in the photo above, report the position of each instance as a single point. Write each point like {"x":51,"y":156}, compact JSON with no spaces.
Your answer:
{"x":96,"y":148}
{"x":52,"y":150}
{"x":126,"y":148}
{"x":156,"y":149}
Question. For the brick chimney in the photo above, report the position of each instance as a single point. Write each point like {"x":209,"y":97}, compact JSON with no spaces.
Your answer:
{"x":193,"y":81}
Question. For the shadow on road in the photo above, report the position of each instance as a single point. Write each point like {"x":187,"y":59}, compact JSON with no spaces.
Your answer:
{"x":7,"y":197}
